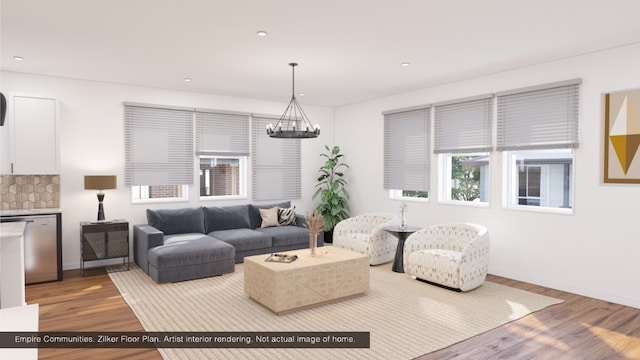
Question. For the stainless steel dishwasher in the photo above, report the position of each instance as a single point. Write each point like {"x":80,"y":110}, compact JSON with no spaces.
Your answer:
{"x":42,"y":252}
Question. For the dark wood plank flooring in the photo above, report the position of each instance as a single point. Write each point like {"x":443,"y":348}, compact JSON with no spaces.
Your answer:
{"x":580,"y":328}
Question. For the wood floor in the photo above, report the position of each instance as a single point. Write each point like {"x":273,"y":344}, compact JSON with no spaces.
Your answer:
{"x":580,"y":328}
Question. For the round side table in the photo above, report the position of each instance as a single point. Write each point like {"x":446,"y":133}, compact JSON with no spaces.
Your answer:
{"x":402,"y":233}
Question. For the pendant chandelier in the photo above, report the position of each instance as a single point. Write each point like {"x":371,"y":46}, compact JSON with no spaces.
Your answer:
{"x":294,"y":123}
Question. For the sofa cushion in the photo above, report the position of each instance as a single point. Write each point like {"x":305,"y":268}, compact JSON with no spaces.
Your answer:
{"x":243,"y":239}
{"x":190,"y":252}
{"x":177,"y":221}
{"x":225,"y":218}
{"x":255,"y":220}
{"x":182,"y":238}
{"x":286,"y":235}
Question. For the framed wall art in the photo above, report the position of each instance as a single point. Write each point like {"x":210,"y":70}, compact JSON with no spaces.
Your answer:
{"x":621,"y":122}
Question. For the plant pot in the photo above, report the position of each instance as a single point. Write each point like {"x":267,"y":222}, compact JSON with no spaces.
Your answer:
{"x":328,"y":236}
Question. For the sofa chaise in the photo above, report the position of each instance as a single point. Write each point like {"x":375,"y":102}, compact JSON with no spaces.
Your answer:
{"x":189,"y":243}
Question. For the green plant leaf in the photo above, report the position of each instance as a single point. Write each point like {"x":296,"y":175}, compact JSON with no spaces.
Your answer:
{"x":331,"y":188}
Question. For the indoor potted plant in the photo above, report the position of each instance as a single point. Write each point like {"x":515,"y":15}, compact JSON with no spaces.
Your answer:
{"x":334,"y":198}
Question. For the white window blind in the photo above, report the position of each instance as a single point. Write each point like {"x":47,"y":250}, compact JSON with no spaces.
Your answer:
{"x":222,"y":133}
{"x":406,"y":149}
{"x":276,"y":163}
{"x":540,"y":117}
{"x":158,"y":145}
{"x":464,"y":125}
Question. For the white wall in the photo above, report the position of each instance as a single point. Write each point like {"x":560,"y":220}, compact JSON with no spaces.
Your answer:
{"x":92,"y":143}
{"x":594,"y":252}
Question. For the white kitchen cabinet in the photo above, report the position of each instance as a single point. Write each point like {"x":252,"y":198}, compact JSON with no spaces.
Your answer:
{"x":33,"y":136}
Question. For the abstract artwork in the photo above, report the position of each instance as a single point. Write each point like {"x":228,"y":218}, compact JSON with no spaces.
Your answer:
{"x":621,"y":117}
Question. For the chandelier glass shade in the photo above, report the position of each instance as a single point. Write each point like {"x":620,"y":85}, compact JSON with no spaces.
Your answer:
{"x":294,"y":123}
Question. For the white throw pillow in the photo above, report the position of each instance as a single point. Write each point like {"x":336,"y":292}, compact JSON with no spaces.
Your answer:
{"x":269,"y":217}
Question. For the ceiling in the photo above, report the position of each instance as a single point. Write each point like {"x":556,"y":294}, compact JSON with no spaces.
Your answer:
{"x":348,"y":50}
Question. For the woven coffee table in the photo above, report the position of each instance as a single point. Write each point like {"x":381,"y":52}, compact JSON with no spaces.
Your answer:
{"x":332,"y":275}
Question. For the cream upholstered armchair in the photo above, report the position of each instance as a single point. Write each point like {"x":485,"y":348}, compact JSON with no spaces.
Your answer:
{"x":364,"y":234}
{"x":455,"y":255}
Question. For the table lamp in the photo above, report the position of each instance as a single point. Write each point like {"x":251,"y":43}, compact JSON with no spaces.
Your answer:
{"x":100,"y":182}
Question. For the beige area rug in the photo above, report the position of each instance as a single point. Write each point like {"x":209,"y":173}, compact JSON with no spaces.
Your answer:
{"x":406,"y":318}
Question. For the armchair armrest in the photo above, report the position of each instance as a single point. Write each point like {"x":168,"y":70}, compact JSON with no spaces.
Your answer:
{"x":364,"y":224}
{"x":476,"y":255}
{"x":145,"y":237}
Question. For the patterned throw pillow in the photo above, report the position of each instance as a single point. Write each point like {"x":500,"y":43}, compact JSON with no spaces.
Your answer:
{"x":269,"y":217}
{"x":287,"y":216}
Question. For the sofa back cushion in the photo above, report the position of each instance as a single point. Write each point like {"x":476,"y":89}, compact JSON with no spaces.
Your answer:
{"x":177,"y":221}
{"x":255,"y":220}
{"x":226,"y":218}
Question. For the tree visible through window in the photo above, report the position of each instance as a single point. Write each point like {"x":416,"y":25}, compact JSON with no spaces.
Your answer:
{"x":415,"y":194}
{"x":466,"y":179}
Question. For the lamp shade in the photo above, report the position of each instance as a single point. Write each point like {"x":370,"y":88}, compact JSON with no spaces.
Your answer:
{"x":99,"y":182}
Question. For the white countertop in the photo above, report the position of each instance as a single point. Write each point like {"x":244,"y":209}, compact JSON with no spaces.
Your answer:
{"x":21,"y":212}
{"x":12,"y":230}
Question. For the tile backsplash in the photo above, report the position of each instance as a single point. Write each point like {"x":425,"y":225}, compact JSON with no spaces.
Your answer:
{"x":29,"y":192}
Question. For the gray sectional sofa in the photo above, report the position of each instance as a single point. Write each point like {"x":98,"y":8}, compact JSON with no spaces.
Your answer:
{"x":190,"y":243}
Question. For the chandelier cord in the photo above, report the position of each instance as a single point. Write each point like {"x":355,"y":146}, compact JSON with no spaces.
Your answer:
{"x":293,"y":80}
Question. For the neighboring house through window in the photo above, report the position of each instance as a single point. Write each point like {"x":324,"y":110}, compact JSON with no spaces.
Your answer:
{"x":222,"y":176}
{"x":544,"y":178}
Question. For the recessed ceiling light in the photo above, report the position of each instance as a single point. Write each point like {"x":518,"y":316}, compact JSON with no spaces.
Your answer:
{"x":404,"y":64}
{"x":187,"y":80}
{"x":262,"y":33}
{"x":18,"y":58}
{"x":301,"y":94}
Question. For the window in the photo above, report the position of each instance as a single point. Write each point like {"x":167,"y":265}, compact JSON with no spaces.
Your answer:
{"x":159,"y":193}
{"x":222,"y":177}
{"x":276,"y":163}
{"x":538,"y":130}
{"x":463,"y":139}
{"x":540,"y":178}
{"x":409,"y":195}
{"x":158,"y":152}
{"x":222,"y":146}
{"x":464,"y":177}
{"x":406,"y":153}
